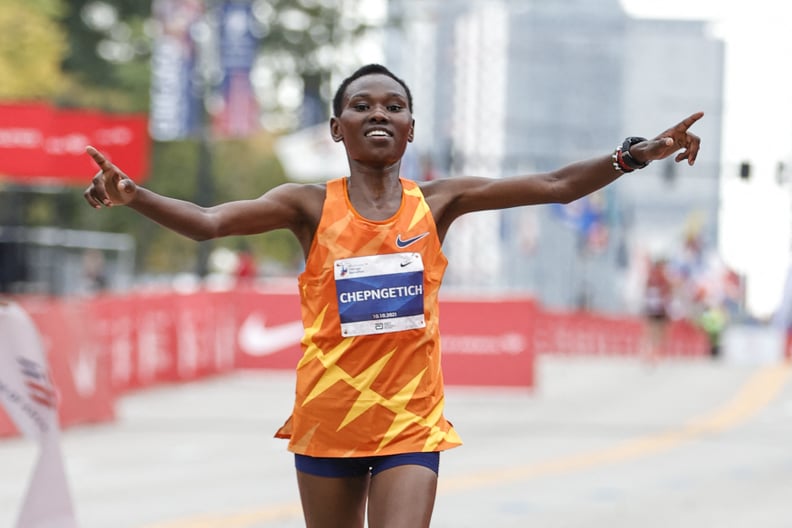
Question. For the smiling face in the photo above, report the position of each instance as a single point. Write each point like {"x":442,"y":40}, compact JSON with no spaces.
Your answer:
{"x":375,"y":122}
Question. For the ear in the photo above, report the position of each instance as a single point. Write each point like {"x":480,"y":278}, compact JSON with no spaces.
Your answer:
{"x":335,"y":130}
{"x":411,"y":135}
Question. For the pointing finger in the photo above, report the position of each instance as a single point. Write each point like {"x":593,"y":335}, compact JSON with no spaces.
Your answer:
{"x":689,"y":121}
{"x":98,"y":158}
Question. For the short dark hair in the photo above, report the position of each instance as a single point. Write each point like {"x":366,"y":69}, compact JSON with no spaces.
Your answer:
{"x":368,"y":69}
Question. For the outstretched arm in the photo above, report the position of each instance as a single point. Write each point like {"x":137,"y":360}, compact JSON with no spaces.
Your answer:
{"x":287,"y":206}
{"x":453,"y":197}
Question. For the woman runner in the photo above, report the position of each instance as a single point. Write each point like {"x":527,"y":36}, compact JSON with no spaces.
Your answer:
{"x":367,"y":424}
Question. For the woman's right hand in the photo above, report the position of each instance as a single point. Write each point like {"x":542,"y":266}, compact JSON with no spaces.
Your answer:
{"x":110,"y":186}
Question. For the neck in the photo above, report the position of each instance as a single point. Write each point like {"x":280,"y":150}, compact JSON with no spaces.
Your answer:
{"x":375,"y":180}
{"x":375,"y":193}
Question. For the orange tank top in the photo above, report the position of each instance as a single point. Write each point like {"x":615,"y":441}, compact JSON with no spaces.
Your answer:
{"x":369,"y":382}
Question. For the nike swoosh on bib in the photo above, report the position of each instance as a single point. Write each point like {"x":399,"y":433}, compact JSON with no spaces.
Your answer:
{"x":404,"y":243}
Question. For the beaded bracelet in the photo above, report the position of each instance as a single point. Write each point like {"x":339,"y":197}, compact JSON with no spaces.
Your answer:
{"x":618,"y":162}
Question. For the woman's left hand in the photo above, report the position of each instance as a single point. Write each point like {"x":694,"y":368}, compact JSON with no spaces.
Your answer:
{"x":670,"y":141}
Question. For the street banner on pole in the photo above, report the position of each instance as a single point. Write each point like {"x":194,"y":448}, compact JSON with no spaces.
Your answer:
{"x":176,"y":86}
{"x":238,"y":115}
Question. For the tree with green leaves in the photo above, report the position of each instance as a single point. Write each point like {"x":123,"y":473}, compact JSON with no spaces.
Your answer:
{"x":108,"y":53}
{"x":96,"y":54}
{"x":31,"y":50}
{"x":307,"y":42}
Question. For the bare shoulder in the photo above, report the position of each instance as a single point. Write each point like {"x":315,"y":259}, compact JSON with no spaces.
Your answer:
{"x":451,"y":187}
{"x":441,"y":194}
{"x":295,"y":206}
{"x":307,"y":197}
{"x":314,"y":195}
{"x":297,"y":190}
{"x":447,"y":198}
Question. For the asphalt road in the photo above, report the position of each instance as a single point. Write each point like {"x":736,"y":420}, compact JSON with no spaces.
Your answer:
{"x":598,"y":443}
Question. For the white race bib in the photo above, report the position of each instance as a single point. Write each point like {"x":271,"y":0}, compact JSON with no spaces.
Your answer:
{"x":380,"y":293}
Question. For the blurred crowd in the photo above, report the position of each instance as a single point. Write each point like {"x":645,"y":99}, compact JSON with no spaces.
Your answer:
{"x":693,"y":283}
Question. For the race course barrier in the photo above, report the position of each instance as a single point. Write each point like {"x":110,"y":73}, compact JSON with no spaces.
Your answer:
{"x":102,"y":347}
{"x":590,"y":334}
{"x":79,"y":368}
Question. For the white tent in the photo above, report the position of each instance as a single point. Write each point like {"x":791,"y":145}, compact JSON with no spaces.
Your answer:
{"x":311,"y":155}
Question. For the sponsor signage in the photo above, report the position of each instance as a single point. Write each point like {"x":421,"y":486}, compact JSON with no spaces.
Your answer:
{"x":44,"y":145}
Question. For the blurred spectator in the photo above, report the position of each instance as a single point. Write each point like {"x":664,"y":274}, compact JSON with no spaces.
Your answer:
{"x":246,"y":270}
{"x":13,"y":265}
{"x":94,"y":277}
{"x":657,"y":301}
{"x":713,"y":321}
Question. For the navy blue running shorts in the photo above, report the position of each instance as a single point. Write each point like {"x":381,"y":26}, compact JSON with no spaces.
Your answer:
{"x":358,"y":466}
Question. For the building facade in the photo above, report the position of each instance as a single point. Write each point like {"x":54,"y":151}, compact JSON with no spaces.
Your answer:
{"x":504,"y":87}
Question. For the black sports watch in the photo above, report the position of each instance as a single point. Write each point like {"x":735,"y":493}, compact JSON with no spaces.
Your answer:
{"x":625,"y":153}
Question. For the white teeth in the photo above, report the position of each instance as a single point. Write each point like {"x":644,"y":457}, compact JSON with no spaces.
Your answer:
{"x":377,"y":133}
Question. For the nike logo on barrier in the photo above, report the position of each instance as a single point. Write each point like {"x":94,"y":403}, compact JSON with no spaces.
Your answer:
{"x":257,"y":339}
{"x":404,"y":243}
{"x":83,"y":370}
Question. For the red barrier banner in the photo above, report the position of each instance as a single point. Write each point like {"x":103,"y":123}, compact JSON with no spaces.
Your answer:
{"x":270,"y":330}
{"x":101,"y":347}
{"x":80,"y":370}
{"x":41,"y":145}
{"x":79,"y":366}
{"x":583,"y":333}
{"x":488,"y":342}
{"x":484,"y":342}
{"x":154,"y":338}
